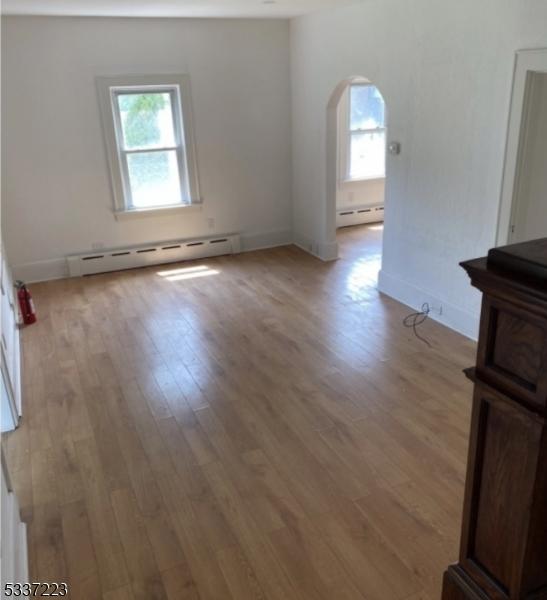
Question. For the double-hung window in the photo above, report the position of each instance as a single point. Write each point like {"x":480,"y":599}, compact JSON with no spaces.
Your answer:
{"x":148,"y":128}
{"x":366,"y":133}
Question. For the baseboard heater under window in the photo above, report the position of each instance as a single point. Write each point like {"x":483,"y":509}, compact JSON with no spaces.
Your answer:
{"x":119,"y":259}
{"x":359,"y":215}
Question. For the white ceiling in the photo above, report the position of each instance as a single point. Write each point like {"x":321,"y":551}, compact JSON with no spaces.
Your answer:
{"x":168,"y":8}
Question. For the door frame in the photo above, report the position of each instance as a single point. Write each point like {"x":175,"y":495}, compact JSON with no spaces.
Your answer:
{"x":527,"y":62}
{"x":332,"y":168}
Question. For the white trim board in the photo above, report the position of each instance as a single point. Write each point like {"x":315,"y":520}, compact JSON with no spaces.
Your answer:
{"x":325,"y":251}
{"x":526,"y":63}
{"x":452,"y":316}
{"x":41,"y":270}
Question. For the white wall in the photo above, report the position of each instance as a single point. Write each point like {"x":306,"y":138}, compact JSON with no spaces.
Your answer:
{"x":56,"y":189}
{"x":366,"y":192}
{"x":445,"y":70}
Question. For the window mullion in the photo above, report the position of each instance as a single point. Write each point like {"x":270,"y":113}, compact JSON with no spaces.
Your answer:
{"x":362,"y":131}
{"x":143,"y":150}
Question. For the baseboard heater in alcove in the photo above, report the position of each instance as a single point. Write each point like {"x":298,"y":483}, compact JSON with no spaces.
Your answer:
{"x":133,"y":257}
{"x":359,"y":215}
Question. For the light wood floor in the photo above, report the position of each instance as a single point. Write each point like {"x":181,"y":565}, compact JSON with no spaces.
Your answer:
{"x":250,"y":427}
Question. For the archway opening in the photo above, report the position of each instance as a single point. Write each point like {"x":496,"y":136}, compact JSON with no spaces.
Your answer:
{"x":356,"y":174}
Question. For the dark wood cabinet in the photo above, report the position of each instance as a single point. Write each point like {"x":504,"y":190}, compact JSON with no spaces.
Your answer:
{"x":503,"y":551}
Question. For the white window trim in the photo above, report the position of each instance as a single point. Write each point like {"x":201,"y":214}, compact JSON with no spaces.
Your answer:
{"x":350,"y":133}
{"x":179,"y":88}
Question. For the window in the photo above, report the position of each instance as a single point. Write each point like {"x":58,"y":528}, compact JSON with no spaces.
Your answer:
{"x":147,"y":122}
{"x":367,"y":133}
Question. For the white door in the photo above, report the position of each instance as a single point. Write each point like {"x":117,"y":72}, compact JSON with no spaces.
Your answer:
{"x":9,"y":354}
{"x":8,"y":414}
{"x":13,"y":541}
{"x":530,"y":203}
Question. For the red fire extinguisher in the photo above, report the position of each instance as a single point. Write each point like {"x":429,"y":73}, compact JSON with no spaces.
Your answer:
{"x":26,"y":305}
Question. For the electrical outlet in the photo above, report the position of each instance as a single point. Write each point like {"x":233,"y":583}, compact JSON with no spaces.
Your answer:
{"x":211,"y":223}
{"x":97,"y":246}
{"x":436,"y":308}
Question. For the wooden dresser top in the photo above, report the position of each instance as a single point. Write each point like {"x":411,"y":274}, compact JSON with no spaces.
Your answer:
{"x":520,"y":267}
{"x":527,"y":258}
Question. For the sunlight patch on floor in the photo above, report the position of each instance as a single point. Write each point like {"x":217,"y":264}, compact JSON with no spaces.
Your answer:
{"x":187,"y":273}
{"x":362,"y":276}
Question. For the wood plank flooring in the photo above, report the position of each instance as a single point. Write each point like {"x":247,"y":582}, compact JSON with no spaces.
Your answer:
{"x":251,"y":427}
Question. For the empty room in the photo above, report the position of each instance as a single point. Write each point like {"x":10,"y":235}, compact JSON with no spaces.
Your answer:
{"x":274,"y":299}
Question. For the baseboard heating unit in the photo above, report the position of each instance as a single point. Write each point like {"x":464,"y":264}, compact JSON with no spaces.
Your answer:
{"x":119,"y":259}
{"x":359,"y":215}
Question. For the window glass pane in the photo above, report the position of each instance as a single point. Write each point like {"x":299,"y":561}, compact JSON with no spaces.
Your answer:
{"x":154,"y":178}
{"x":147,"y":120}
{"x":368,"y":155}
{"x":366,"y":107}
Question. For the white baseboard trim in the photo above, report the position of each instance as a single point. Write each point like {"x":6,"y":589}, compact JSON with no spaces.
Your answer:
{"x":328,"y":251}
{"x":267,"y":239}
{"x":325,"y":251}
{"x":42,"y":270}
{"x":460,"y":320}
{"x":304,"y":243}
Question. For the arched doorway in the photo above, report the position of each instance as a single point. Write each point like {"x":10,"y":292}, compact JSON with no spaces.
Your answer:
{"x":356,"y":158}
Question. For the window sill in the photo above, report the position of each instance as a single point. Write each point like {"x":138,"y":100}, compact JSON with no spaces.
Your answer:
{"x":158,"y":211}
{"x":361,"y":179}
